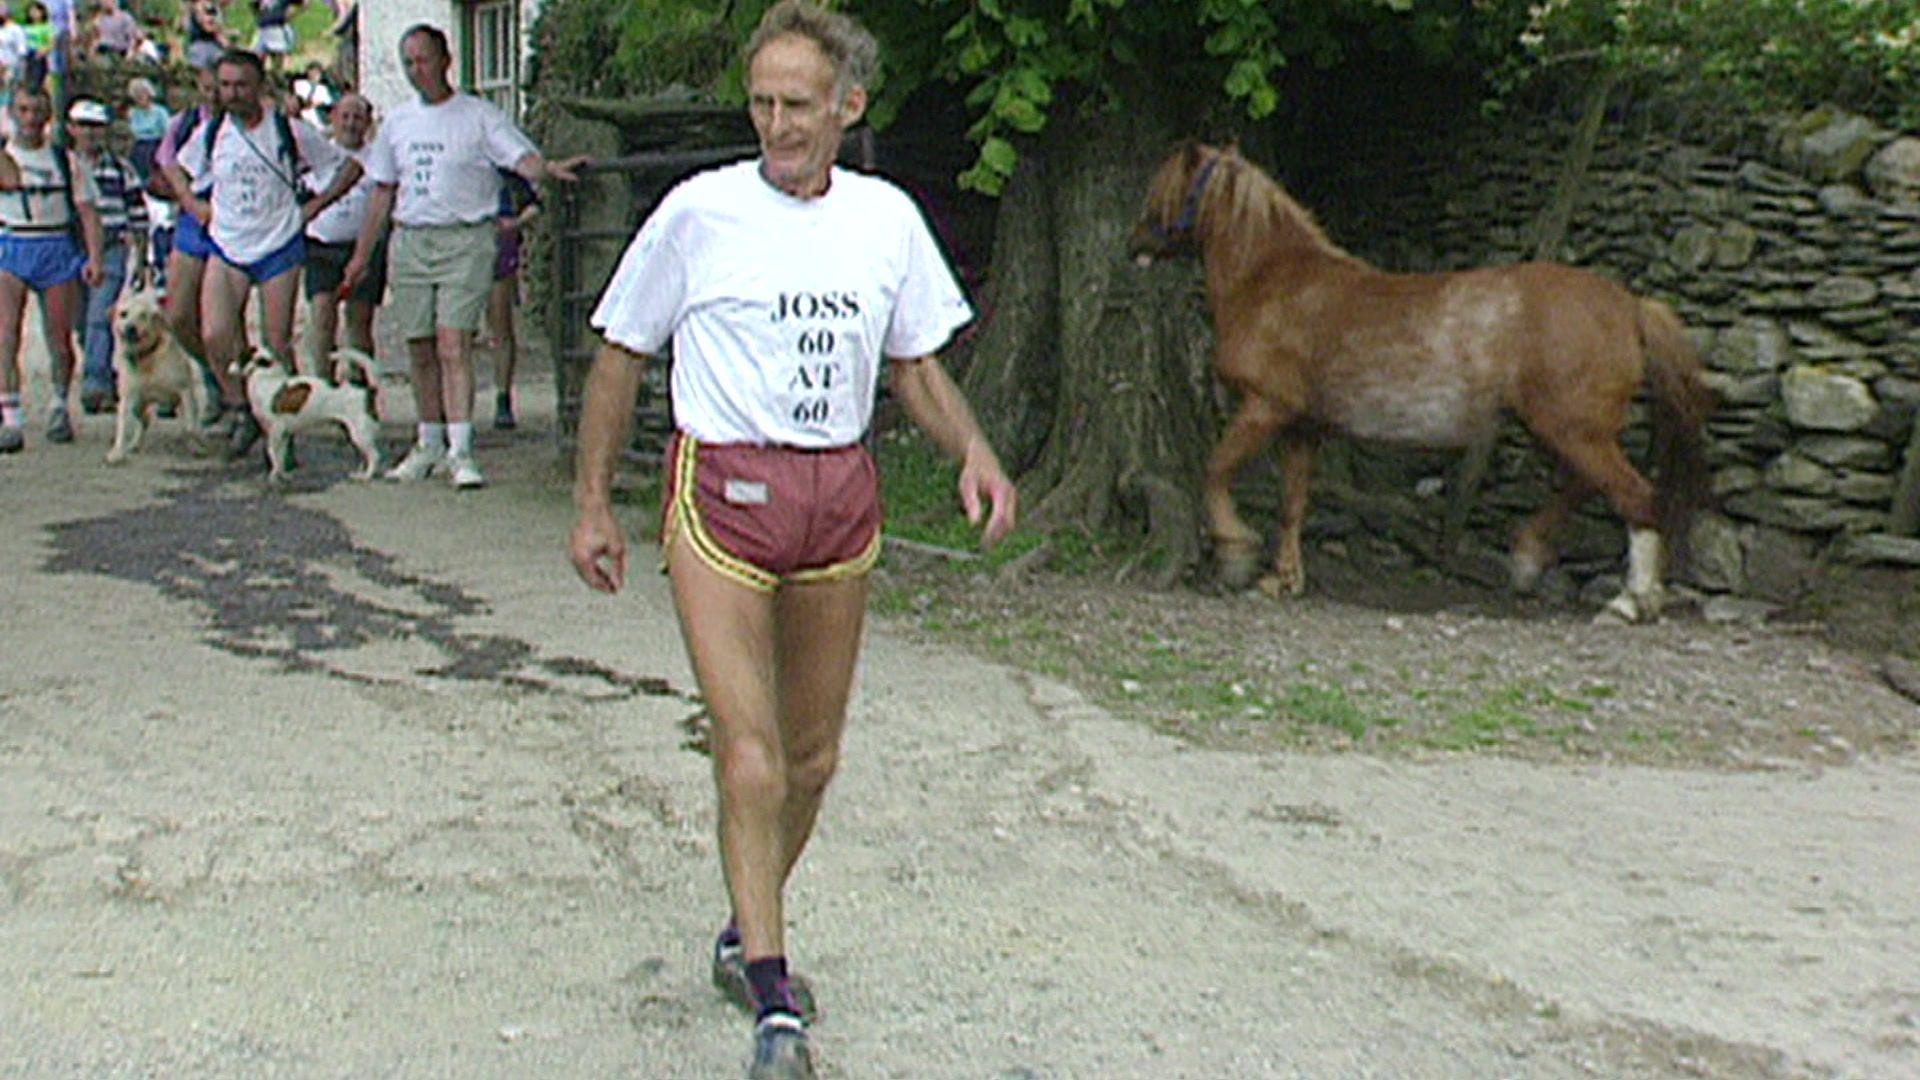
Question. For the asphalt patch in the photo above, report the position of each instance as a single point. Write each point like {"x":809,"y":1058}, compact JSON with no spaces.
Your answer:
{"x":258,"y":568}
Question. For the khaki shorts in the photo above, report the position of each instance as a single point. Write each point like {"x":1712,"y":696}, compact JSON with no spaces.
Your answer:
{"x":439,"y":277}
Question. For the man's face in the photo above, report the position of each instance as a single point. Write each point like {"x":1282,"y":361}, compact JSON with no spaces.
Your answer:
{"x":86,"y":137}
{"x":208,"y":83}
{"x":239,"y":90}
{"x":790,"y":97}
{"x":426,"y":65}
{"x":30,"y":116}
{"x":350,"y":120}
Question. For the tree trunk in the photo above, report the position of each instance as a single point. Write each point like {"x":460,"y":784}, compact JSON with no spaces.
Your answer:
{"x":1096,"y":375}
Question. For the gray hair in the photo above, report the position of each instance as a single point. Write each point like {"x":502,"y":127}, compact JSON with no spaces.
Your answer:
{"x":134,"y":85}
{"x":852,"y":51}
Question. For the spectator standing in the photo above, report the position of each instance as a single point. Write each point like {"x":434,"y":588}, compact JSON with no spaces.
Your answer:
{"x":434,"y":162}
{"x":13,"y":59}
{"x":254,"y":156}
{"x":315,"y":93}
{"x":147,"y":121}
{"x":206,"y":33}
{"x":44,"y":194}
{"x":519,"y":202}
{"x":115,"y":32}
{"x":40,"y":34}
{"x":123,"y":228}
{"x":275,"y":38}
{"x":330,"y":239}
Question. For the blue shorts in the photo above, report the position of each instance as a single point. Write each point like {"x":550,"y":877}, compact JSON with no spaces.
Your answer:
{"x":287,"y":257}
{"x":42,"y":261}
{"x":190,"y":237}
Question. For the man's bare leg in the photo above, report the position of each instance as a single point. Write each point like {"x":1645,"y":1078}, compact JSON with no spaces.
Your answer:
{"x":13,"y":313}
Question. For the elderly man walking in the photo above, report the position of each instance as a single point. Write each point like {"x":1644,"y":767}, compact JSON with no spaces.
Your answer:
{"x":433,"y":162}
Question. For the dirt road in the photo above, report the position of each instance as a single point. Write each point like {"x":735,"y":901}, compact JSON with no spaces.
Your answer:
{"x":358,"y":781}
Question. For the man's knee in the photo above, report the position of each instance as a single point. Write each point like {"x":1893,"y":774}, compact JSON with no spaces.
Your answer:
{"x":750,"y":769}
{"x":810,"y":774}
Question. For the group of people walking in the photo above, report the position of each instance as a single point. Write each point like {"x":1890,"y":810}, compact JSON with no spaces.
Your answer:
{"x":264,"y":201}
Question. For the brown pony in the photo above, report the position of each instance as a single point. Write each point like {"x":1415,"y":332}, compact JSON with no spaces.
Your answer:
{"x":1315,"y":340}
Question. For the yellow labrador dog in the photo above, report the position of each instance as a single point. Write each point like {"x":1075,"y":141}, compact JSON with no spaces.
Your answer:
{"x":285,"y":403}
{"x":153,"y":370}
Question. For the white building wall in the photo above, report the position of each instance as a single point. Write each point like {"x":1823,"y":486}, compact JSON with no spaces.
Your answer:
{"x":383,"y":21}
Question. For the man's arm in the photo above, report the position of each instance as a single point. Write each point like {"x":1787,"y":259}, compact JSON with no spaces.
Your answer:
{"x":597,"y":547}
{"x":933,"y":402}
{"x":344,"y":178}
{"x":536,"y":168}
{"x":94,"y":237}
{"x":379,"y":210}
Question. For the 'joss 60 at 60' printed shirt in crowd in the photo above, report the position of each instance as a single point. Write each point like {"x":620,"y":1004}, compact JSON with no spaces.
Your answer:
{"x":780,"y":309}
{"x":441,"y":159}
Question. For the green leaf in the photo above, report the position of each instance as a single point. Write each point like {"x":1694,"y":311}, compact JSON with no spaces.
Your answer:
{"x":998,"y":155}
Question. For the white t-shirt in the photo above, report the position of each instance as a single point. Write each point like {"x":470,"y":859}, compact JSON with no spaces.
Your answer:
{"x":42,"y":209}
{"x":442,"y":158}
{"x":340,"y":223}
{"x":780,"y":309}
{"x":256,"y":207}
{"x":13,"y":46}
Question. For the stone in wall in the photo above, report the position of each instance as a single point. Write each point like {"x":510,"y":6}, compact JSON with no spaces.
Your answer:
{"x":1824,"y":400}
{"x":1828,"y":145}
{"x":1894,"y":172}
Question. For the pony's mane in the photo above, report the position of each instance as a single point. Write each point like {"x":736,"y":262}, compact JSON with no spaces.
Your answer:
{"x":1242,"y":200}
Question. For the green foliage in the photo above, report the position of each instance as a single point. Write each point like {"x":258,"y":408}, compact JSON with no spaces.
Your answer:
{"x":1765,"y":55}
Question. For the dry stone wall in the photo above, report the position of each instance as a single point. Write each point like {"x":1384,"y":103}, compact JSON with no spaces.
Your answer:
{"x":1796,"y":266}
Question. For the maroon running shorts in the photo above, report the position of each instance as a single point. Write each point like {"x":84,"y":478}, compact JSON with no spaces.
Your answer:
{"x":772,"y":515}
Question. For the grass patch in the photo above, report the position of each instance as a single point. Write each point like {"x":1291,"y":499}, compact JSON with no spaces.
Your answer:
{"x":1332,"y":707}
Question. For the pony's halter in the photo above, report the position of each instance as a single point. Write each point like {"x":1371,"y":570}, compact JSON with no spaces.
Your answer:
{"x":1189,"y":209}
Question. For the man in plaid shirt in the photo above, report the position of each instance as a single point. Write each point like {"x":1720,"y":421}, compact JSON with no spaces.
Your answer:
{"x":123,"y":220}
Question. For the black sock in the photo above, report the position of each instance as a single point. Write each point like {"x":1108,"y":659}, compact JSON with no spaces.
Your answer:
{"x":768,"y":978}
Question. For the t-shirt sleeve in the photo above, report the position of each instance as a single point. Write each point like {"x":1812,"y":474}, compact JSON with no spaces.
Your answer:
{"x":506,"y":144}
{"x":643,"y":302}
{"x":192,"y":155}
{"x":379,"y":161}
{"x":319,"y":152}
{"x":85,"y":189}
{"x":929,"y":307}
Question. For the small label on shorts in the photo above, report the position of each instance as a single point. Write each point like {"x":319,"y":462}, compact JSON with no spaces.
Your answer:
{"x":746,"y":493}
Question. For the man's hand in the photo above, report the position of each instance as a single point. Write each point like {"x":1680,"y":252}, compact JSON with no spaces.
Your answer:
{"x":598,"y":550}
{"x":982,"y":483}
{"x":567,"y":170}
{"x":201,"y":209}
{"x":355,"y":270}
{"x":92,"y":274}
{"x":310,"y":210}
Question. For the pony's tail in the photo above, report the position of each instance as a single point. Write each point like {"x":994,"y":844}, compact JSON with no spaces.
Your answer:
{"x":1680,"y":401}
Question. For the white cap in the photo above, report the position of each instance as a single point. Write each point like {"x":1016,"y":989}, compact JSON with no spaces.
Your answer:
{"x":89,"y":112}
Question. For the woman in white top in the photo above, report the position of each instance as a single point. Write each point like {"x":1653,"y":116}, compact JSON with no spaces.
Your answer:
{"x":785,"y":286}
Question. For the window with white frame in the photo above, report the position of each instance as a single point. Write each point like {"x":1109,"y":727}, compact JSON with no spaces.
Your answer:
{"x":490,"y":51}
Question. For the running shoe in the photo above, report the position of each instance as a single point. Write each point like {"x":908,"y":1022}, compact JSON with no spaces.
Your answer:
{"x":503,"y":419}
{"x":12,"y":439}
{"x":246,"y":432}
{"x":59,"y":427}
{"x":464,"y":474}
{"x":420,"y":463}
{"x":780,"y":1050}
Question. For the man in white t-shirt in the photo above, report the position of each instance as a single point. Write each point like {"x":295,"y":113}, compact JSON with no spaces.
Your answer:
{"x":433,"y":161}
{"x":330,"y":239}
{"x":255,"y":158}
{"x":784,"y":285}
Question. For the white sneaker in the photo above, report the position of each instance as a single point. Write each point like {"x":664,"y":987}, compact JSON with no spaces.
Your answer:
{"x":419,"y":463}
{"x":464,"y":473}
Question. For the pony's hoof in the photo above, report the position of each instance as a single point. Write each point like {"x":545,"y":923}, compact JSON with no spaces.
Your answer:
{"x":1238,"y":567}
{"x":116,"y":458}
{"x":1628,"y":609}
{"x":1278,"y":587}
